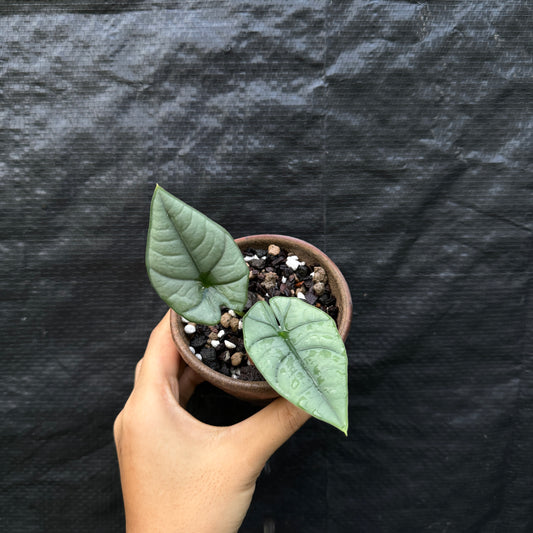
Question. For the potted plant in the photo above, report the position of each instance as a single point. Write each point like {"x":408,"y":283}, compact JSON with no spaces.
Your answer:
{"x":197,"y":268}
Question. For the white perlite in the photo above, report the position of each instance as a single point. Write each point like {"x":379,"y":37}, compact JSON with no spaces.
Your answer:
{"x":199,"y":356}
{"x":221,"y":333}
{"x":230,"y":345}
{"x":215,"y":344}
{"x":190,"y":329}
{"x":192,"y":349}
{"x":301,"y":295}
{"x":294,"y":262}
{"x":251,"y":258}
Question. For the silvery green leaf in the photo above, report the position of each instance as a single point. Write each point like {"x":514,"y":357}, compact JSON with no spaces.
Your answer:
{"x":192,"y":262}
{"x":299,"y":351}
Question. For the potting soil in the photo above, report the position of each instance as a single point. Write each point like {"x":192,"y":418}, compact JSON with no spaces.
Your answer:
{"x":221,"y":347}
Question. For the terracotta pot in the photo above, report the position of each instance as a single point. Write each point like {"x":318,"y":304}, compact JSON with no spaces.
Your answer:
{"x":261,"y":390}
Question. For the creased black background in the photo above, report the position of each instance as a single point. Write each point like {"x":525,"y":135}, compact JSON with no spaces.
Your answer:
{"x":396,"y":136}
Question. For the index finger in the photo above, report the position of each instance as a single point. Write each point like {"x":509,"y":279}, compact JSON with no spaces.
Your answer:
{"x":265,"y":431}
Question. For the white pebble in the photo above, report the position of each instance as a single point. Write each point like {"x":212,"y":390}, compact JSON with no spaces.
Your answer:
{"x":190,"y":329}
{"x":293,"y":262}
{"x":230,"y":345}
{"x":240,"y":324}
{"x":232,"y":313}
{"x":199,"y":356}
{"x":301,"y":295}
{"x":283,"y":279}
{"x":184,"y":320}
{"x":251,"y":258}
{"x":192,"y":349}
{"x":215,"y":344}
{"x":221,"y":333}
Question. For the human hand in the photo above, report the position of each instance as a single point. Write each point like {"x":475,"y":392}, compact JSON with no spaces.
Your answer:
{"x":177,"y":473}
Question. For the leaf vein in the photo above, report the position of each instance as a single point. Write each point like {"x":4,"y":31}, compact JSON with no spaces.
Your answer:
{"x":308,"y":322}
{"x":157,"y":271}
{"x":263,"y":338}
{"x":320,"y":347}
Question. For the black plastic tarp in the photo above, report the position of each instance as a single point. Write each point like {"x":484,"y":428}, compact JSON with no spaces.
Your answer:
{"x":394,"y":135}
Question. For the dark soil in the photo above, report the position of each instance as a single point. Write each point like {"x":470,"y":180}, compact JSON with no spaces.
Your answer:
{"x":221,"y":347}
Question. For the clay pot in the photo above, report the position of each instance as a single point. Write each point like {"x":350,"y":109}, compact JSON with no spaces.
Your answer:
{"x":261,"y":390}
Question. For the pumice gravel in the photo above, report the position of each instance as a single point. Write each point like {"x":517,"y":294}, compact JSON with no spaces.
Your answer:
{"x":272,"y":272}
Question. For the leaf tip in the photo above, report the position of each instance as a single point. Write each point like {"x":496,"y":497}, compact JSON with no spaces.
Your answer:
{"x":158,"y":189}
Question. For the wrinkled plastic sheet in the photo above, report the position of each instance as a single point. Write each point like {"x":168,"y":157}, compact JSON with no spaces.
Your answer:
{"x":396,"y":136}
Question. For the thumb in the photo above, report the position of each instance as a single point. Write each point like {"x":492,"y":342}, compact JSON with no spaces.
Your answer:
{"x":269,"y":428}
{"x":161,"y":362}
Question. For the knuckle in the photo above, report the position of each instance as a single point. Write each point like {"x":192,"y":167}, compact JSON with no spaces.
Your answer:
{"x":138,"y":367}
{"x":117,"y":427}
{"x":128,"y":417}
{"x":137,"y":418}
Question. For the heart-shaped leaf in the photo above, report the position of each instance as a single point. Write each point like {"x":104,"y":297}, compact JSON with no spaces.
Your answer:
{"x":300,"y":352}
{"x":192,"y":262}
